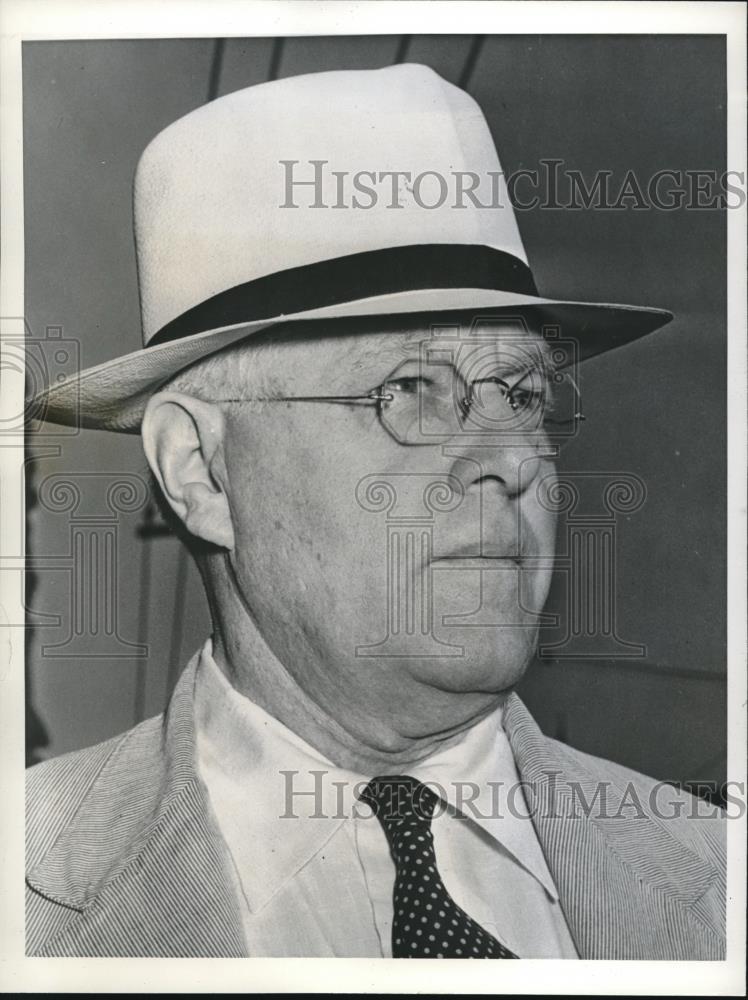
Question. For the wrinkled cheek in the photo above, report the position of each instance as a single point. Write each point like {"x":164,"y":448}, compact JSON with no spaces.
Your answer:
{"x":539,"y":544}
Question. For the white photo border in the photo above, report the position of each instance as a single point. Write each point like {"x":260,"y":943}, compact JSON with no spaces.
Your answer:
{"x":22,"y":20}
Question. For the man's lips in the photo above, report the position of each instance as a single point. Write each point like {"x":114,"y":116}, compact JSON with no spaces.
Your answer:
{"x":486,"y":553}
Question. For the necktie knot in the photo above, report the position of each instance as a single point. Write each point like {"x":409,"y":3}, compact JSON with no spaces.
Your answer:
{"x":400,"y":800}
{"x":404,"y":808}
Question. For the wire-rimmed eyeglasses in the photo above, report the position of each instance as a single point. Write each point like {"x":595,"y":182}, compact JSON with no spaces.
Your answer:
{"x":425,"y":405}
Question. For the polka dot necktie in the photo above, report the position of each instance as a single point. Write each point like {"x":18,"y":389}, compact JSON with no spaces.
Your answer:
{"x":427,"y":923}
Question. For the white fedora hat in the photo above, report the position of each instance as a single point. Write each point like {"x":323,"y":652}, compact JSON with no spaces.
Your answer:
{"x":330,"y":195}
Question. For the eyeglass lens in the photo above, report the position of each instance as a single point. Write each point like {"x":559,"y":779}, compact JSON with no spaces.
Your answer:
{"x":430,"y":403}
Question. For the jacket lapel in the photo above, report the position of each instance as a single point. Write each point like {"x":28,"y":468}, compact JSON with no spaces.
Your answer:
{"x":625,"y":882}
{"x":143,"y":863}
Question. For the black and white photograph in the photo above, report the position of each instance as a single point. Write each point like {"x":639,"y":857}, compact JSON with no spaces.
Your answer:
{"x":373,"y":504}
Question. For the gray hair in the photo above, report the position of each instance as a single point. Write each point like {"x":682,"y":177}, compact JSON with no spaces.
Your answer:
{"x":241,"y":370}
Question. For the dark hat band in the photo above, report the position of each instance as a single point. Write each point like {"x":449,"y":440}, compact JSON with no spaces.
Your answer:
{"x":356,"y":276}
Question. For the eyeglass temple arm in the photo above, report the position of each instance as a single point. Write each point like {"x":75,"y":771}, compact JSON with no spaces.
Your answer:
{"x":372,"y":397}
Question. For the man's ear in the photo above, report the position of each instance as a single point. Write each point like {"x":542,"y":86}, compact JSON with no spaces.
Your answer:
{"x":183,"y":442}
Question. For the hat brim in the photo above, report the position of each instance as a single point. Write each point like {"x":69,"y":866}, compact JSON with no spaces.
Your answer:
{"x":113,"y":395}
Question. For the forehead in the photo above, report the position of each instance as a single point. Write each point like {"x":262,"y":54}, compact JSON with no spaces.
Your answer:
{"x":364,"y":345}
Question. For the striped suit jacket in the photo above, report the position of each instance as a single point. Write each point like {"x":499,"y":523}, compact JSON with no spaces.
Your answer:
{"x":125,"y":858}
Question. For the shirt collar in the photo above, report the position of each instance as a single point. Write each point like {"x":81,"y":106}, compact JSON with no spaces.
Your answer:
{"x":479,"y":779}
{"x":278,"y":800}
{"x":275,"y":797}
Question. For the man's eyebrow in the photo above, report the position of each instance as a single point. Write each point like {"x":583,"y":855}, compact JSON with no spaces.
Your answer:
{"x":376,"y":354}
{"x":383,"y":351}
{"x":536,"y":352}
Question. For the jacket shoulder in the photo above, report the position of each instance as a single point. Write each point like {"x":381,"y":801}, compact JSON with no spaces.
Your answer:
{"x":695,"y":823}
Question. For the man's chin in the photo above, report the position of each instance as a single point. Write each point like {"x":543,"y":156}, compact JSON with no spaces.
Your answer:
{"x":484,"y":670}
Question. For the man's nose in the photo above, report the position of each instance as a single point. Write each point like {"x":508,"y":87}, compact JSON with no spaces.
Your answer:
{"x":515,"y":467}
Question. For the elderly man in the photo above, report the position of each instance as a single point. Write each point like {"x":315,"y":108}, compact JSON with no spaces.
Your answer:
{"x":351,"y":397}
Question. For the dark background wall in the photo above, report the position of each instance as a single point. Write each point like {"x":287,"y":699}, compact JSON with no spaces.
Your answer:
{"x":656,"y":409}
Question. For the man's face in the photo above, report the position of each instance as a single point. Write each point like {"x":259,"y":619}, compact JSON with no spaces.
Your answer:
{"x":374,"y":569}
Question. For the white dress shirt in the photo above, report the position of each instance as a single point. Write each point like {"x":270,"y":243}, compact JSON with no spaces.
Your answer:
{"x":313,"y":868}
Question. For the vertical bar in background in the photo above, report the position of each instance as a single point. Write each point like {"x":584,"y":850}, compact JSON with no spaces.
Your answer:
{"x":402,"y":49}
{"x":276,"y":57}
{"x":216,"y":65}
{"x":177,"y":622}
{"x":471,"y":61}
{"x":145,"y":532}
